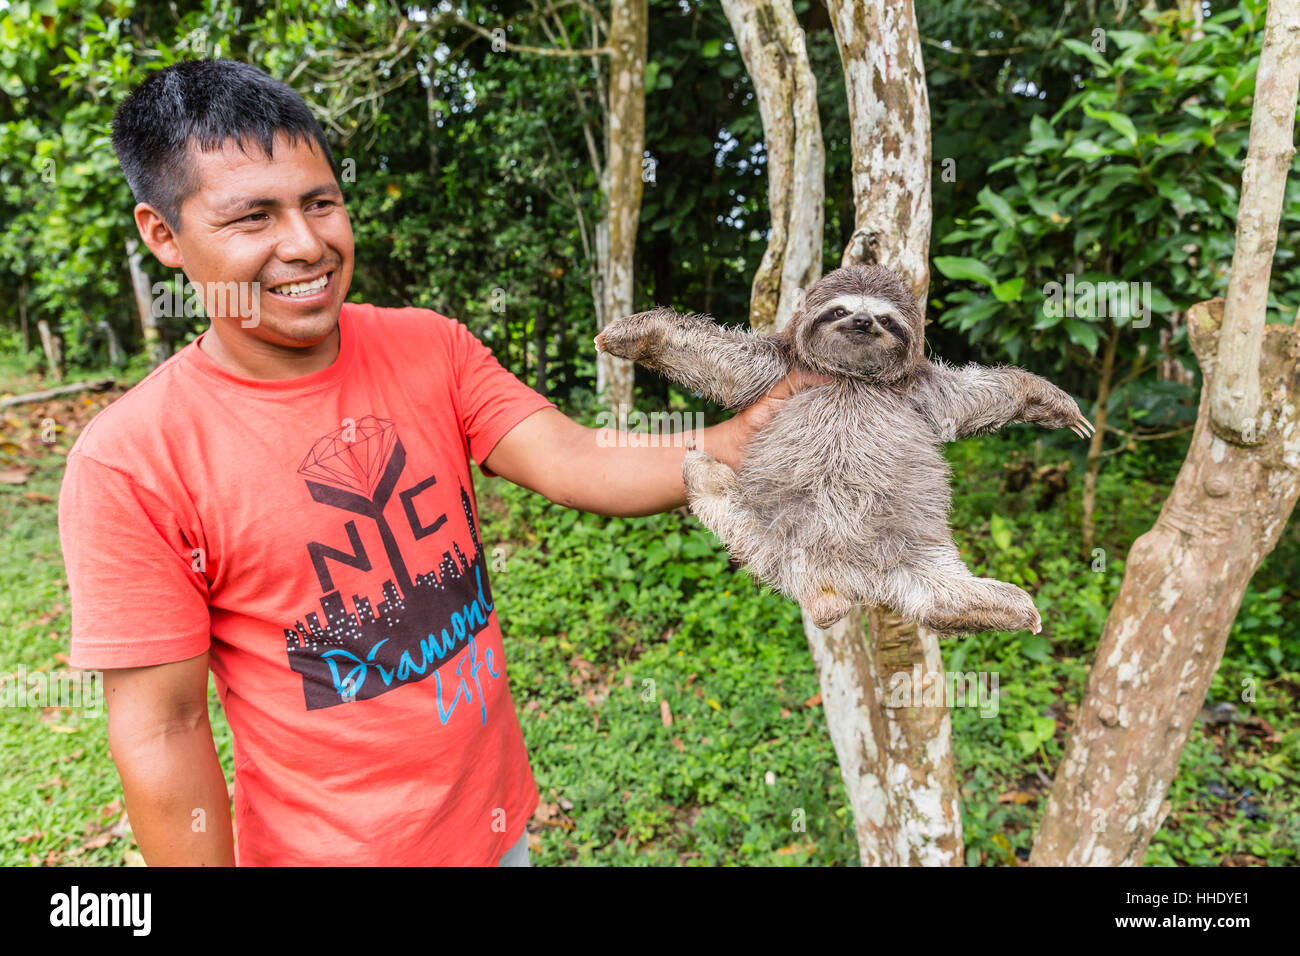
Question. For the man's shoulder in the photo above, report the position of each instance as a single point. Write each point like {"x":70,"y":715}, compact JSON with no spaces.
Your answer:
{"x":411,"y":334}
{"x":139,"y":420}
{"x":379,"y":318}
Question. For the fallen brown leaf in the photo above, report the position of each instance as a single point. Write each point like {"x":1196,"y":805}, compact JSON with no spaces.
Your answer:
{"x":1016,"y":796}
{"x":797,"y":848}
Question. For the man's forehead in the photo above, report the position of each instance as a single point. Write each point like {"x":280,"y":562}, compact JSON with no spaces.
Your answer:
{"x":227,"y":173}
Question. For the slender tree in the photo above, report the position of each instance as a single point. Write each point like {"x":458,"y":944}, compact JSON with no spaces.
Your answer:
{"x":1184,"y":580}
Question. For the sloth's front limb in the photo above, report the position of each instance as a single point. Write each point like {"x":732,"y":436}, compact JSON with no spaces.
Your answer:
{"x":977,"y":399}
{"x":952,"y":601}
{"x":732,"y":367}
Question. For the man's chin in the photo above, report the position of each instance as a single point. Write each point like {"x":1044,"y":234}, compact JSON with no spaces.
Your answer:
{"x":301,"y":331}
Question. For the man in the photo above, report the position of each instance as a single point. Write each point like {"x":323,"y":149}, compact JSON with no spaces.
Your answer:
{"x":288,"y":501}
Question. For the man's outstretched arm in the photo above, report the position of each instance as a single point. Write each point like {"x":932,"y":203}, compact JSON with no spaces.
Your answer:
{"x":585,"y":468}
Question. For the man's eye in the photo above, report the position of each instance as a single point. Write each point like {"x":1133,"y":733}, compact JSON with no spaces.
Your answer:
{"x":323,"y":203}
{"x":250,"y":217}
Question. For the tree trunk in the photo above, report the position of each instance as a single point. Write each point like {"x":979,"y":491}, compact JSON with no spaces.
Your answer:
{"x":53,"y":346}
{"x":1092,"y":467}
{"x":115,"y":356}
{"x":22,"y":317}
{"x":1236,"y":399}
{"x":1183,"y":584}
{"x":622,"y":182}
{"x":771,"y":43}
{"x":1185,"y":578}
{"x":153,"y":342}
{"x":889,"y":115}
{"x":897,"y":763}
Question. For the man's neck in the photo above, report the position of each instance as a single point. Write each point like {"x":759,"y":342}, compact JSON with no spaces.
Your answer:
{"x":261,"y":360}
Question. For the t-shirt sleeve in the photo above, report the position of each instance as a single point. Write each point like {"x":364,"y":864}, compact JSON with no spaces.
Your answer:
{"x":492,"y":400}
{"x":136,"y":599}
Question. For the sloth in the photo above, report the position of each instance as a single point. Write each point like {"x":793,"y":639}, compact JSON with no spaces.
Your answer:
{"x":842,"y":498}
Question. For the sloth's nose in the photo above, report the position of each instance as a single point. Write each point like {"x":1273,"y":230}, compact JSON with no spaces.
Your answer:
{"x":862,"y":322}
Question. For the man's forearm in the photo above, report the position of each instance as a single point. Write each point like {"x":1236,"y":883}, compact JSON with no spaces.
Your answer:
{"x":176,"y":798}
{"x":610,"y":472}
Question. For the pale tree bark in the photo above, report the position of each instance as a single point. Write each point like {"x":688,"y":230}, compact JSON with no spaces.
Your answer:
{"x":621,"y":183}
{"x":1185,"y":578}
{"x":889,"y":115}
{"x":153,"y":342}
{"x":53,"y":346}
{"x":1235,"y":401}
{"x":1183,"y":584}
{"x":896,"y":763}
{"x":771,"y":43}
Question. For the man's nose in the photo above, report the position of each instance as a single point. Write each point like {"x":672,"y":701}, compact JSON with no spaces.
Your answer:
{"x":298,"y":240}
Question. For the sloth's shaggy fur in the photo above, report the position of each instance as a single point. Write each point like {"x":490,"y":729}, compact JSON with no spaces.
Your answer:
{"x":843,"y":497}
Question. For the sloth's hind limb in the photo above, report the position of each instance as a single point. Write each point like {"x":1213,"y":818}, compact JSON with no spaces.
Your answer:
{"x":948,"y":599}
{"x":716,"y":499}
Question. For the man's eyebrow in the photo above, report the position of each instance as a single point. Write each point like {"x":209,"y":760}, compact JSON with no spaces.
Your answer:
{"x":243,"y":205}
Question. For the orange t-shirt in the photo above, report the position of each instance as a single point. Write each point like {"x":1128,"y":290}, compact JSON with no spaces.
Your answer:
{"x":318,"y":536}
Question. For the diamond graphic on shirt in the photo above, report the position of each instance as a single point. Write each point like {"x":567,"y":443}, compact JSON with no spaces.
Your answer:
{"x":425,"y":619}
{"x":354,"y":456}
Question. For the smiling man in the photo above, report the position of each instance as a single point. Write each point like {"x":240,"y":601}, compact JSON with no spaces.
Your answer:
{"x":288,"y":502}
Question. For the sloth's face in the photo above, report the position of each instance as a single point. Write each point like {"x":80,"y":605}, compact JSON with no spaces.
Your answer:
{"x":857,"y":334}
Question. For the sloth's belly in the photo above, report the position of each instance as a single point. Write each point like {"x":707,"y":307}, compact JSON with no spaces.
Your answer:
{"x":866,"y":467}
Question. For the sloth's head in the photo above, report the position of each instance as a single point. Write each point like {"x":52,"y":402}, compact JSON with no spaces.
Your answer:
{"x":861,"y":321}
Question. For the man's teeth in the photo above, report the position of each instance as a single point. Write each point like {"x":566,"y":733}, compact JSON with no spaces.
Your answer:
{"x":302,"y":288}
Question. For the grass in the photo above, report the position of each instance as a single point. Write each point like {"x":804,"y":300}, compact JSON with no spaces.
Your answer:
{"x":670,"y":706}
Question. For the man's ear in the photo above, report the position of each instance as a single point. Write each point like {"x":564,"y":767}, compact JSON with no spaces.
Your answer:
{"x":158,"y":236}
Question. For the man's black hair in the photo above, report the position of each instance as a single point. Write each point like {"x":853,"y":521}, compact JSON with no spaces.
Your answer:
{"x":202,"y":103}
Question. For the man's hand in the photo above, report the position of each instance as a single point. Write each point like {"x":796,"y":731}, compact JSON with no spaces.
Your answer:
{"x":739,"y":429}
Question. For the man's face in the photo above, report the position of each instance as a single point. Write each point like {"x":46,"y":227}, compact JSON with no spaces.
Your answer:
{"x":277,"y":222}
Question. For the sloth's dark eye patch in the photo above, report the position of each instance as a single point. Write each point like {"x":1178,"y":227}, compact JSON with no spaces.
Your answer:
{"x":891,"y":325}
{"x":838,"y":312}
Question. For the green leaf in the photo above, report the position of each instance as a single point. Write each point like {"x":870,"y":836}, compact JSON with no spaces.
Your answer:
{"x":1087,"y":150}
{"x":958,"y":267}
{"x":998,"y":206}
{"x":1009,"y":291}
{"x":1040,"y":129}
{"x":1028,"y":742}
{"x":1000,"y":528}
{"x":1117,"y":121}
{"x":1082,"y":333}
{"x":1088,"y":52}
